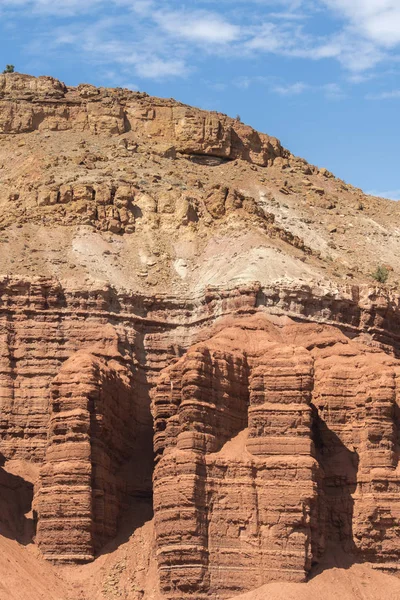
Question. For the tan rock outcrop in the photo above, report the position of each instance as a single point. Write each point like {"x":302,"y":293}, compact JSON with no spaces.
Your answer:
{"x":105,"y":111}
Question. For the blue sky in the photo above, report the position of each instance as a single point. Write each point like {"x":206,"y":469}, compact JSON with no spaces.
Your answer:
{"x":321,"y":75}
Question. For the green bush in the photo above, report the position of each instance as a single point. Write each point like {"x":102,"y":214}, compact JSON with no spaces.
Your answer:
{"x":9,"y":69}
{"x":381,"y":274}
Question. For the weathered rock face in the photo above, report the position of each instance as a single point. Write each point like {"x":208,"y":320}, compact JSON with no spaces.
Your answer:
{"x":92,"y":433}
{"x":176,"y":337}
{"x":77,"y":371}
{"x":105,"y":111}
{"x":312,"y":419}
{"x":271,"y":436}
{"x":154,"y":196}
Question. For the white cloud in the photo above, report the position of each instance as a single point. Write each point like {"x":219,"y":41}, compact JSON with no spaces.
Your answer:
{"x":333,"y":91}
{"x":287,"y":38}
{"x":61,"y":8}
{"x":203,"y":27}
{"x":68,"y":8}
{"x":354,"y":53}
{"x":357,"y":53}
{"x":160,"y":40}
{"x":147,"y":57}
{"x":370,"y":30}
{"x":377,"y":20}
{"x":245,"y":82}
{"x":157,"y":68}
{"x":288,"y":16}
{"x":128,"y":85}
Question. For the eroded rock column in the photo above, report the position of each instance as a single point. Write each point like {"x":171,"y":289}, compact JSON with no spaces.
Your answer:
{"x":235,"y":486}
{"x":207,"y":392}
{"x":92,"y":432}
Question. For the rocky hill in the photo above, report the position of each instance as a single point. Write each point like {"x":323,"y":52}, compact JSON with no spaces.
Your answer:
{"x":199,"y":371}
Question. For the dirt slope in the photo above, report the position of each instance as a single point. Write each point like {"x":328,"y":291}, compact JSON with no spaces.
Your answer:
{"x":358,"y":582}
{"x":146,"y":193}
{"x":24,"y":575}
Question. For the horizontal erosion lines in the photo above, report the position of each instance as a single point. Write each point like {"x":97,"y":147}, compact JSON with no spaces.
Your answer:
{"x":172,"y":324}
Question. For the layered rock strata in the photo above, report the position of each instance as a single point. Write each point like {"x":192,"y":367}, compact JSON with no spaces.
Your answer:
{"x":272,"y":433}
{"x":152,"y":195}
{"x":259,"y":420}
{"x":319,"y":431}
{"x":92,"y":433}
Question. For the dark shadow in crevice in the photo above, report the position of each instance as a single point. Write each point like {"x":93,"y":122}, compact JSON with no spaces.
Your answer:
{"x":127,"y":123}
{"x":334,"y":557}
{"x":338,"y":483}
{"x":208,"y":160}
{"x":16,"y":495}
{"x":135,"y":514}
{"x":134,"y":478}
{"x":232,"y":404}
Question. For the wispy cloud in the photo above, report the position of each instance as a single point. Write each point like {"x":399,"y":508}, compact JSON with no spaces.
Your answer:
{"x":390,"y":194}
{"x":371,"y":28}
{"x":74,"y":8}
{"x":388,"y":95}
{"x":282,"y":38}
{"x":331,"y":90}
{"x":198,"y":26}
{"x":161,"y":38}
{"x":376,"y":20}
{"x":109,"y":42}
{"x":292,"y":89}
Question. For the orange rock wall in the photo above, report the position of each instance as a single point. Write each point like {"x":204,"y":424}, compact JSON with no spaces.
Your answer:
{"x":272,"y":435}
{"x":316,"y":461}
{"x":92,"y":433}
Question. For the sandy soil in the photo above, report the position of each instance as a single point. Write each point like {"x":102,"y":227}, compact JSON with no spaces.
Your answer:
{"x":358,"y":582}
{"x":129,"y":572}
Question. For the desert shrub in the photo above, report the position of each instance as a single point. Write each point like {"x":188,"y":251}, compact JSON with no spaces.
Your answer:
{"x":9,"y":69}
{"x":381,"y":274}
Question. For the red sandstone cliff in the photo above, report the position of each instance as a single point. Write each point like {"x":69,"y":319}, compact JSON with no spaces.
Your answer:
{"x":198,"y":376}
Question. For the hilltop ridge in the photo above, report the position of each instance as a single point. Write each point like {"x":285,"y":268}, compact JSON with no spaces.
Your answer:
{"x":81,"y":164}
